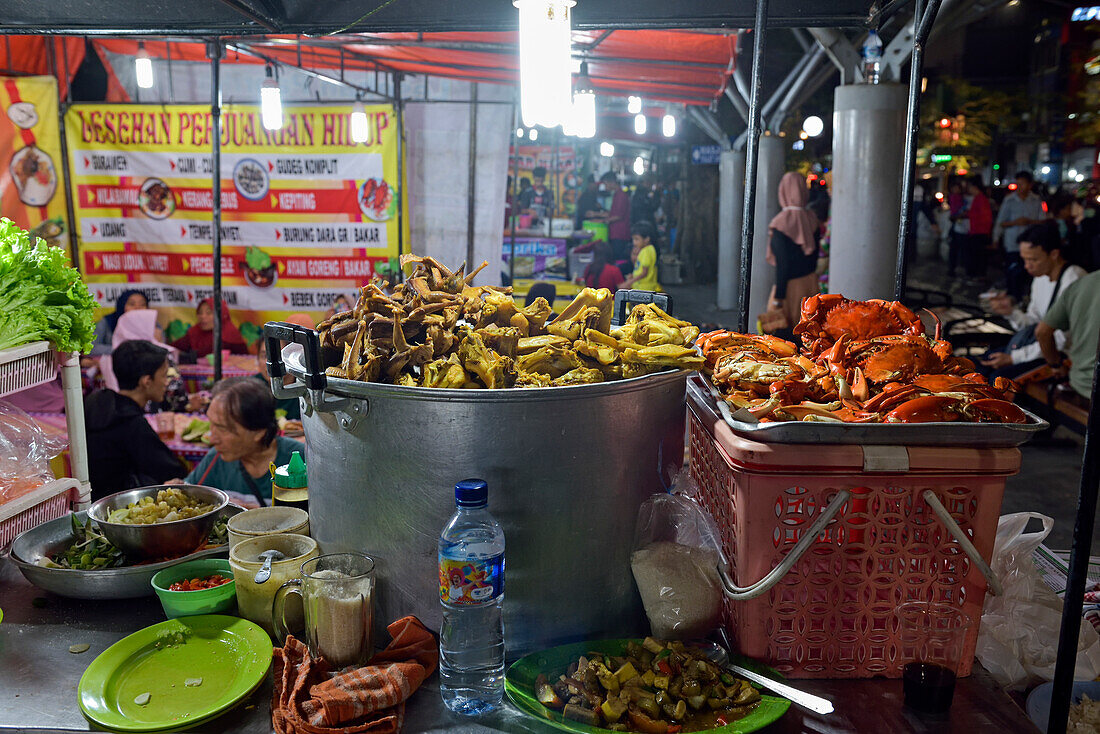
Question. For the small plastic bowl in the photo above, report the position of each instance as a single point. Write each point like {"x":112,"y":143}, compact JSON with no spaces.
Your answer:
{"x":205,"y":601}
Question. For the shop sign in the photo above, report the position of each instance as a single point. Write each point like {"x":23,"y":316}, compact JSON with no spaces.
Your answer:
{"x":706,"y":155}
{"x":307,"y":213}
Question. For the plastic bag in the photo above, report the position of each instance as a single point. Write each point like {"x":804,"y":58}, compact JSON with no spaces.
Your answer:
{"x":1018,"y":638}
{"x":676,"y":554}
{"x":25,"y":453}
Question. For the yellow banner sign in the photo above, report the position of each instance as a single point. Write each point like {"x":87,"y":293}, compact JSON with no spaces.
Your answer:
{"x":308,"y":215}
{"x":32,"y":190}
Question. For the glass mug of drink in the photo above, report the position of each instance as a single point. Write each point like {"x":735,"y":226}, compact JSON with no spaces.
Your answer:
{"x":932,"y":640}
{"x":337,"y":593}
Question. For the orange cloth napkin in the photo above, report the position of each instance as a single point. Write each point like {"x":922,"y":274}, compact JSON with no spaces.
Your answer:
{"x":372,"y":699}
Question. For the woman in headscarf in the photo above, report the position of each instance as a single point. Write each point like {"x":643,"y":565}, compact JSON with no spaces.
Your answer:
{"x":128,"y":300}
{"x":140,"y":324}
{"x":792,"y":248}
{"x":200,"y":337}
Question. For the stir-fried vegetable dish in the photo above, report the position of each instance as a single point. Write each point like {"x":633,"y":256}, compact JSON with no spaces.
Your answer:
{"x":657,"y":687}
{"x":170,"y":504}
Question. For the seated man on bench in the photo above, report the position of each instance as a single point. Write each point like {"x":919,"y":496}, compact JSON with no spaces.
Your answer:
{"x":1077,"y":313}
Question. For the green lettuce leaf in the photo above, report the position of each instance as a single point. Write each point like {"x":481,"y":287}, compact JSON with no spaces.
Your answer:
{"x":41,"y":296}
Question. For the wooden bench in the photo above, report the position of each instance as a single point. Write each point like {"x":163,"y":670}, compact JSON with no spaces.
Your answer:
{"x":1051,"y":399}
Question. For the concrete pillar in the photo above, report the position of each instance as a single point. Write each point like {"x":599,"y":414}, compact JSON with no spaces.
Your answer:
{"x":768,"y":172}
{"x":731,"y":196}
{"x":868,"y":146}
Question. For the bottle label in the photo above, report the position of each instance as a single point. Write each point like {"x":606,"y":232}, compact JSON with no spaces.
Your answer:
{"x":467,"y":582}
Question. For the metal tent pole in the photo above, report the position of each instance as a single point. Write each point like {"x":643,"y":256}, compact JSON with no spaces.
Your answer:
{"x":1060,"y":697}
{"x":214,"y":53}
{"x":922,"y":26}
{"x":62,"y":106}
{"x":471,"y":180}
{"x":749,"y":212}
{"x":399,"y":105}
{"x":515,"y":198}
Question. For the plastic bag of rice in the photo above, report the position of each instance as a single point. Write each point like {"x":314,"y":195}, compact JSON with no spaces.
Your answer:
{"x":1084,"y":717}
{"x":675,"y":564}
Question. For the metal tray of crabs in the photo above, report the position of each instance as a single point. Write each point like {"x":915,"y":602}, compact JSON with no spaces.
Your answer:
{"x":867,"y":372}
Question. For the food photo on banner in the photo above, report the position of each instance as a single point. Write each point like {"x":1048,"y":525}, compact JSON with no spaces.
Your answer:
{"x":308,"y":215}
{"x":32,"y":192}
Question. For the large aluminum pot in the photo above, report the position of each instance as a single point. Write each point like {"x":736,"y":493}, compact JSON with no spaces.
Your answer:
{"x":567,"y":470}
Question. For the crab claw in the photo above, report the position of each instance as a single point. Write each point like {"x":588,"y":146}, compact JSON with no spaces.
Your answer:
{"x":860,"y":389}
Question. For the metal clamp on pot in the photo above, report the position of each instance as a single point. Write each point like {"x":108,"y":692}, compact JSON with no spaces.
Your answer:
{"x":627,"y":299}
{"x":312,"y":382}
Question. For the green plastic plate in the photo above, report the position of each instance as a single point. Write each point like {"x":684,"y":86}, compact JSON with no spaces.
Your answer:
{"x":519,"y":683}
{"x":231,"y":655}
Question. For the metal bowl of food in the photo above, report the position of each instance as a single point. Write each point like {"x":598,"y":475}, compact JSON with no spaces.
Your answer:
{"x":164,"y":520}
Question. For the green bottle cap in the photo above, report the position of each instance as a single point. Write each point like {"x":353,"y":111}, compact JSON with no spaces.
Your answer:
{"x":293,"y":474}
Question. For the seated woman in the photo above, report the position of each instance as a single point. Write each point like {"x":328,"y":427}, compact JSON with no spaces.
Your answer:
{"x":199,"y":339}
{"x":128,"y":300}
{"x":245,"y":438}
{"x":602,"y":272}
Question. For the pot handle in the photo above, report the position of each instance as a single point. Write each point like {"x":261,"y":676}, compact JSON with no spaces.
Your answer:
{"x":625,"y":298}
{"x":279,"y":331}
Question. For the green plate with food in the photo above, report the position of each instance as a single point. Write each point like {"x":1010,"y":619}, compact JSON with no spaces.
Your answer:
{"x":648,"y":686}
{"x":175,"y":674}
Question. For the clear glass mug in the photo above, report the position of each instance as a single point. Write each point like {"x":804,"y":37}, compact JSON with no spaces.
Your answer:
{"x":337,"y":592}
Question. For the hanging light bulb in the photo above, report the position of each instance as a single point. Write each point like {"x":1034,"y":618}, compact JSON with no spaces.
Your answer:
{"x":143,"y":67}
{"x":271,"y":102}
{"x":545,"y":61}
{"x":639,"y":124}
{"x":607,"y":149}
{"x":633,"y":105}
{"x":584,"y":106}
{"x":639,"y":166}
{"x":534,"y":134}
{"x":360,"y":130}
{"x":519,"y":132}
{"x":668,"y":125}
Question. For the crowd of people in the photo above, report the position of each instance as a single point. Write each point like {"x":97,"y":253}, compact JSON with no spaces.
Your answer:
{"x":139,"y":374}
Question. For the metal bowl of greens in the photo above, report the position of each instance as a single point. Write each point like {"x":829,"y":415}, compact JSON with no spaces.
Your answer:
{"x":184,"y":514}
{"x":70,"y":557}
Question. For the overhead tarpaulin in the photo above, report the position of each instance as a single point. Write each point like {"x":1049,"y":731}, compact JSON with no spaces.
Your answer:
{"x":32,"y":193}
{"x":308,"y":215}
{"x":32,"y":55}
{"x":672,"y":66}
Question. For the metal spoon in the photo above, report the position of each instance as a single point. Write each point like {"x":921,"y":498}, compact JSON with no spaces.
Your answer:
{"x":720,"y":656}
{"x":265,"y":571}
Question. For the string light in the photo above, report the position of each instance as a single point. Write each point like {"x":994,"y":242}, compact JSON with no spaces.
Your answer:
{"x":633,"y":105}
{"x":639,"y":166}
{"x":607,"y":150}
{"x":668,"y":125}
{"x":639,"y":124}
{"x":143,"y":68}
{"x":271,"y":102}
{"x":813,"y":126}
{"x":360,"y":129}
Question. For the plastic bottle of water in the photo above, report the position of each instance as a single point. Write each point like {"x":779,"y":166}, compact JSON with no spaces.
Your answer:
{"x":872,"y":58}
{"x":471,"y":590}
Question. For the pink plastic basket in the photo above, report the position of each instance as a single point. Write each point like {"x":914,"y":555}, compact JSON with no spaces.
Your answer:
{"x":833,"y":614}
{"x":48,"y":502}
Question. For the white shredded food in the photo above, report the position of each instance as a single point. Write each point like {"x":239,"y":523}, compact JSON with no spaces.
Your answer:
{"x":1084,"y":717}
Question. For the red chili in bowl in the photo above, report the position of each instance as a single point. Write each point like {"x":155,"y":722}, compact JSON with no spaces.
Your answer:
{"x":209,"y":582}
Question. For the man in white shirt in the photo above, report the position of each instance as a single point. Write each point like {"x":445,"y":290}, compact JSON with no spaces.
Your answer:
{"x":1041,"y":254}
{"x":1019,"y":210}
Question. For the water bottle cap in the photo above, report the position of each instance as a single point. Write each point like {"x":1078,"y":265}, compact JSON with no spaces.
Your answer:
{"x":472,"y":493}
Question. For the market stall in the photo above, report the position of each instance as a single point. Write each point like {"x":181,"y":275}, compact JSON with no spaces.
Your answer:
{"x":578,"y":419}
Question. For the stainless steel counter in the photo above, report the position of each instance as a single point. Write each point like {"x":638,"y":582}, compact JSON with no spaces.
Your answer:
{"x":39,"y":677}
